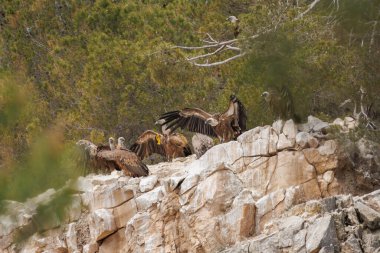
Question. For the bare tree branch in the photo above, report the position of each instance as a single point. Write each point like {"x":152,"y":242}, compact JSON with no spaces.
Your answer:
{"x":311,"y":6}
{"x":218,"y":62}
{"x":216,"y":44}
{"x":223,"y":46}
{"x":206,"y":55}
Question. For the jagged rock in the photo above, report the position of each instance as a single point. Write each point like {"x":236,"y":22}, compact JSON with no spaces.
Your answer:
{"x":244,"y":197}
{"x":107,"y":196}
{"x":201,"y":143}
{"x":91,"y":248}
{"x":212,"y":192}
{"x":148,"y":183}
{"x":269,"y":206}
{"x":299,"y":240}
{"x":351,"y":245}
{"x":327,"y":249}
{"x":284,"y":143}
{"x":114,"y":243}
{"x":146,"y":200}
{"x":352,"y":217}
{"x":123,"y":213}
{"x":273,"y":140}
{"x":255,"y":142}
{"x":102,"y":224}
{"x":313,"y":142}
{"x":71,"y":238}
{"x":290,"y":129}
{"x":189,"y":182}
{"x":302,"y":139}
{"x":291,"y":169}
{"x":323,"y":158}
{"x":238,"y":223}
{"x":321,"y":234}
{"x":370,"y":217}
{"x":278,"y":125}
{"x":305,"y":140}
{"x":320,"y":127}
{"x":328,"y":176}
{"x":288,"y":228}
{"x":230,"y":151}
{"x":257,"y":175}
{"x":371,"y":241}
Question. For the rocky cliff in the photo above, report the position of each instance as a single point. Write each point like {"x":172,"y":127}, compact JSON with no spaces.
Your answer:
{"x":279,"y":188}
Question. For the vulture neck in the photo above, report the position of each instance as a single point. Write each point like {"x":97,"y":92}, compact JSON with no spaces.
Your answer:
{"x":231,"y":109}
{"x":165,"y":131}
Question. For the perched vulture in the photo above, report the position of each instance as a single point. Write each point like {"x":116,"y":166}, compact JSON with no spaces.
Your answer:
{"x":235,"y":21}
{"x":170,"y":145}
{"x":280,"y":104}
{"x":226,"y":126}
{"x":105,"y":158}
{"x":121,"y":143}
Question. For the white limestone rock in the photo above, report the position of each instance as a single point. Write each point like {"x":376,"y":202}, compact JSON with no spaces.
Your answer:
{"x":148,"y":183}
{"x":146,"y":200}
{"x":320,"y":234}
{"x":102,"y":224}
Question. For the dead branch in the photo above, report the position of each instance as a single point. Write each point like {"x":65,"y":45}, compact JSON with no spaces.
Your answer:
{"x":218,"y":62}
{"x":222,"y":46}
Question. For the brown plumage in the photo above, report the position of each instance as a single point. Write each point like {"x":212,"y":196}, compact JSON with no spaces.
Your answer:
{"x":169,"y":145}
{"x":104,"y":159}
{"x":226,"y":126}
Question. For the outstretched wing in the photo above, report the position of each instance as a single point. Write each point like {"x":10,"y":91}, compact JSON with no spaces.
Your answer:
{"x":242,"y":116}
{"x":126,"y":161}
{"x":192,"y":119}
{"x":146,"y":145}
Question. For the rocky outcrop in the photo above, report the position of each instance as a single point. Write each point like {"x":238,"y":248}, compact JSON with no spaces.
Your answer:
{"x":279,"y":188}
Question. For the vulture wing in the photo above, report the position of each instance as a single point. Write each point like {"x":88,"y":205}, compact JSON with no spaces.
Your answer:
{"x":236,"y":108}
{"x":192,"y":119}
{"x":124,"y":160}
{"x":242,"y":116}
{"x":146,"y":145}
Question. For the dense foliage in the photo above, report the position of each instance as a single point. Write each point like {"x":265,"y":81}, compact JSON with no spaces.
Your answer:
{"x":100,"y":68}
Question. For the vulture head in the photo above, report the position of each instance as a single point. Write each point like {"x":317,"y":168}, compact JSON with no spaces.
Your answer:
{"x":121,"y":142}
{"x":266,"y":96}
{"x":232,"y":19}
{"x":233,"y":98}
{"x":111,"y":141}
{"x":88,"y":147}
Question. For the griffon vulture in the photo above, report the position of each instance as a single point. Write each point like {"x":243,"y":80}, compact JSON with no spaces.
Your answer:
{"x":106,"y":158}
{"x":226,"y":126}
{"x":170,"y":145}
{"x":280,"y":104}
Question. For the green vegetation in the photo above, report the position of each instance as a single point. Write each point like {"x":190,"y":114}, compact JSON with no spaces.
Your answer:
{"x":92,"y":69}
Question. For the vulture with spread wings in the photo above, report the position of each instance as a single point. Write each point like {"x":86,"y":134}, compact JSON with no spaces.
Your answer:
{"x":170,"y":145}
{"x":109,"y":158}
{"x":226,"y":126}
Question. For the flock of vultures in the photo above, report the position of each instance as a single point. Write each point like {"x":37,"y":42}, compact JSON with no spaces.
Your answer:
{"x":116,"y":156}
